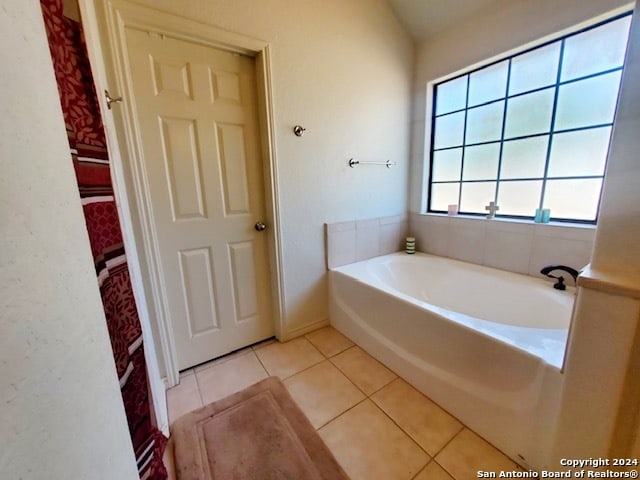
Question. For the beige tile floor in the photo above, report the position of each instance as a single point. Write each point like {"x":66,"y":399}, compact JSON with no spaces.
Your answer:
{"x":376,"y":424}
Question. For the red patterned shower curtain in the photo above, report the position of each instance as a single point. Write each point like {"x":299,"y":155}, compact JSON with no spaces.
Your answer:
{"x":91,"y":163}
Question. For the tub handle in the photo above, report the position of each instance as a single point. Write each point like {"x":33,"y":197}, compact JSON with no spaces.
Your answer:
{"x":559,"y":285}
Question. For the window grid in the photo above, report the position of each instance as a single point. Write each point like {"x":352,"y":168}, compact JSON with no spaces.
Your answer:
{"x":553,"y":124}
{"x":533,"y":90}
{"x":533,"y":135}
{"x":504,"y":125}
{"x":550,"y":133}
{"x":464,"y":139}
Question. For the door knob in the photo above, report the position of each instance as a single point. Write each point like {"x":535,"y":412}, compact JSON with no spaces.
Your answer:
{"x":259,"y":226}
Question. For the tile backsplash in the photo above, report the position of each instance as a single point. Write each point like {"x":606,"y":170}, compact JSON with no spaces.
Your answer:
{"x":507,"y":245}
{"x":521,"y":247}
{"x":348,"y":242}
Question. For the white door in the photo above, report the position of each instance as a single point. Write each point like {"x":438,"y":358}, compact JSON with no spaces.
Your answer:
{"x":196,"y":114}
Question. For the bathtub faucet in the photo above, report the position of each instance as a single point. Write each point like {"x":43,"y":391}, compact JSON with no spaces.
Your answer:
{"x":559,"y":285}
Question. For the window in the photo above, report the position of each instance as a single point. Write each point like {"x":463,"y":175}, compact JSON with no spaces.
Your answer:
{"x":532,"y":130}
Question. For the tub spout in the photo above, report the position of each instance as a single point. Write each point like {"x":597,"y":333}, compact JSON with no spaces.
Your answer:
{"x":559,"y":285}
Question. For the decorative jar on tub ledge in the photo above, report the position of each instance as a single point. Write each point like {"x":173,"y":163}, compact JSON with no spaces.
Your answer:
{"x":410,"y":245}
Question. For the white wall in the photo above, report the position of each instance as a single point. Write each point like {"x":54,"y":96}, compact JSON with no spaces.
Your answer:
{"x":62,"y":413}
{"x":343,"y":70}
{"x":508,"y":25}
{"x":618,"y":248}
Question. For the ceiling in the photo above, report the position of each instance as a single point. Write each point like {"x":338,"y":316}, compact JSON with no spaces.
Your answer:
{"x":424,"y":18}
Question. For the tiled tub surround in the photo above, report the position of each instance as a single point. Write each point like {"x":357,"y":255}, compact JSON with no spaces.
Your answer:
{"x":516,"y":246}
{"x":375,"y":423}
{"x":521,"y":247}
{"x":488,"y":381}
{"x":352,"y":241}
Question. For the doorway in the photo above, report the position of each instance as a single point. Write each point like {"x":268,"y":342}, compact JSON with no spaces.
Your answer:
{"x":198,"y":159}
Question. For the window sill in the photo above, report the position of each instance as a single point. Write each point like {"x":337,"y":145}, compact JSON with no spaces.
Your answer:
{"x":578,"y":226}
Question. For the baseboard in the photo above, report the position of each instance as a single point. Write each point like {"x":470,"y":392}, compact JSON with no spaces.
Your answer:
{"x":299,"y":331}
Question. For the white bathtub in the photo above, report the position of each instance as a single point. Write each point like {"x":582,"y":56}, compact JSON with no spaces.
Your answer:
{"x":485,"y":344}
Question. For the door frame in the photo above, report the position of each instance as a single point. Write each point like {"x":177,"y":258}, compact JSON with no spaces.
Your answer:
{"x":105,"y":22}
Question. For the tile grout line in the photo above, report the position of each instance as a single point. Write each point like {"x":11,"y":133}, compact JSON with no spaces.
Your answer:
{"x":228,"y":356}
{"x":445,"y":446}
{"x":437,"y":404}
{"x":433,"y":457}
{"x":388,"y":383}
{"x":447,"y":471}
{"x":368,"y":397}
{"x":303,"y":370}
{"x":199,"y":392}
{"x":223,"y":365}
{"x":462,"y":427}
{"x":328,"y":358}
{"x":353,"y":383}
{"x":335,"y":354}
{"x":347,"y":377}
{"x":222,"y":360}
{"x":260,"y":362}
{"x":431,"y":460}
{"x":339,"y":415}
{"x":300,"y":371}
{"x":305,"y":336}
{"x":405,"y":432}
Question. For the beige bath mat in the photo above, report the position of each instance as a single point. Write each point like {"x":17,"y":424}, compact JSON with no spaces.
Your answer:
{"x":258,"y":433}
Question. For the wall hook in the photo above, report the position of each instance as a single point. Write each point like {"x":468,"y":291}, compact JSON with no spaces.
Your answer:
{"x":111,"y":100}
{"x":298,"y":130}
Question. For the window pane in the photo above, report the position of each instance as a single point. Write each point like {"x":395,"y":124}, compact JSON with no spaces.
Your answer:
{"x":481,"y":162}
{"x":596,"y":50}
{"x":451,"y":95}
{"x":532,"y":130}
{"x":484,"y":124}
{"x":443,"y":195}
{"x":488,"y":84}
{"x":449,"y":130}
{"x":524,"y":158}
{"x":529,"y":114}
{"x":446,"y":165}
{"x":579,"y":153}
{"x":573,"y":199}
{"x":475,"y":196}
{"x":519,"y":198}
{"x":587,"y":102}
{"x":536,"y":69}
